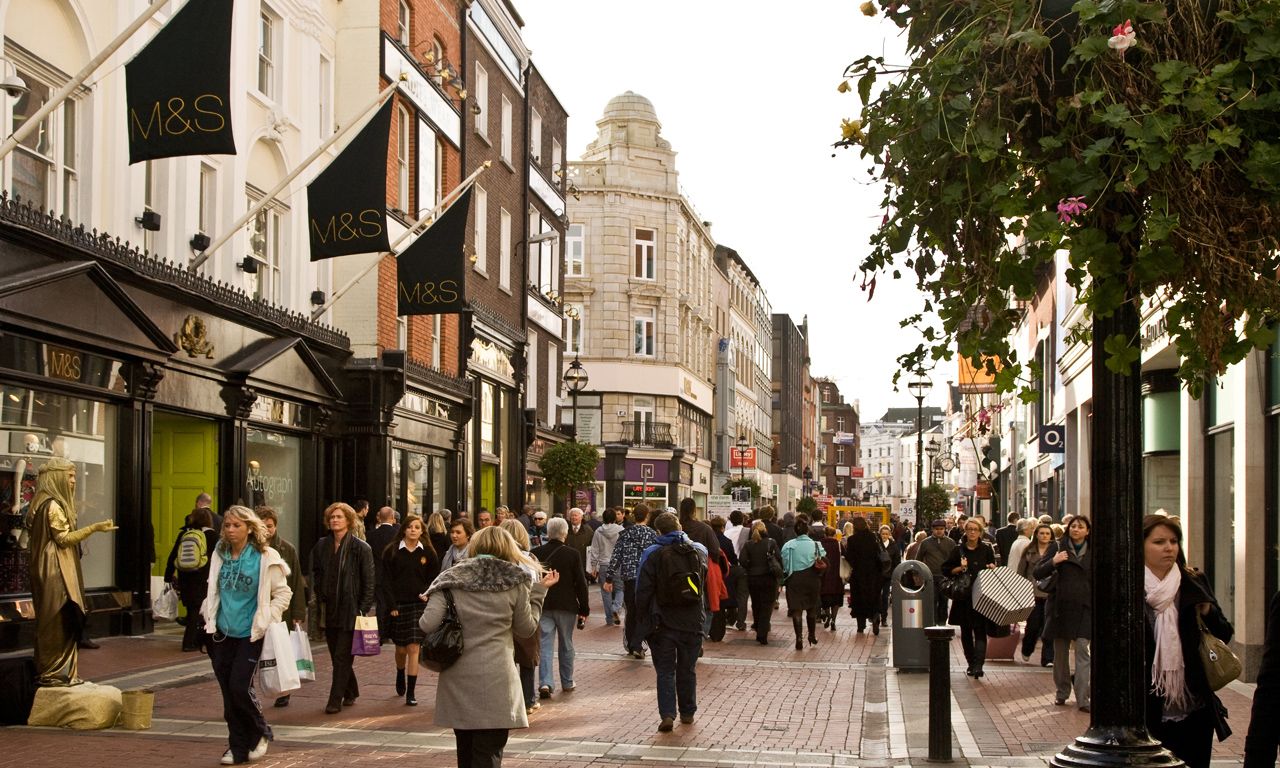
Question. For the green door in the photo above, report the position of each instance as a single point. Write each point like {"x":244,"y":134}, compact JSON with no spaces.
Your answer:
{"x":184,"y":464}
{"x":488,"y":487}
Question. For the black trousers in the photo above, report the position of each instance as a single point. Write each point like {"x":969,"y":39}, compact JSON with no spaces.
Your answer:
{"x":1261,"y":743}
{"x":235,"y":659}
{"x":764,"y":590}
{"x":344,"y":685}
{"x":1191,"y":738}
{"x":193,"y":632}
{"x":1035,"y":626}
{"x":630,"y":639}
{"x":973,"y":639}
{"x":480,"y":748}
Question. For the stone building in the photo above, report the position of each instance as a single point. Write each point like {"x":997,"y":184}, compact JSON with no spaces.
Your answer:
{"x":641,"y":285}
{"x":790,"y":364}
{"x":750,"y":334}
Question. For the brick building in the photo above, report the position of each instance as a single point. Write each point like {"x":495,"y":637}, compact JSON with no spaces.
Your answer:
{"x":838,"y":442}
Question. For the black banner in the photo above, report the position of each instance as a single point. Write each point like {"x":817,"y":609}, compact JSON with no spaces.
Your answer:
{"x":431,"y":273}
{"x":347,"y":202}
{"x":178,"y":88}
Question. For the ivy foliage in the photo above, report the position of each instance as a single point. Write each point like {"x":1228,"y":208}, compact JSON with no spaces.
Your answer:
{"x":806,"y":505}
{"x":1022,"y":127}
{"x":566,"y":466}
{"x":735,"y":482}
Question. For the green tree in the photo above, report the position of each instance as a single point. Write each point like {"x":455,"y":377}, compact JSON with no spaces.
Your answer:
{"x":566,"y":466}
{"x":807,"y":505}
{"x":934,"y":502}
{"x":742,"y":483}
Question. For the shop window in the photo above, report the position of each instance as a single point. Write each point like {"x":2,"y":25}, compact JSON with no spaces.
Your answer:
{"x":37,"y":426}
{"x":265,"y":245}
{"x":424,"y":483}
{"x":487,"y":402}
{"x":274,"y":461}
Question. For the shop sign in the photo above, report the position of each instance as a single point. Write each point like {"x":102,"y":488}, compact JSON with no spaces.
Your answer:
{"x":419,"y":403}
{"x":982,"y":490}
{"x":857,"y":471}
{"x":824,"y":501}
{"x":843,"y":438}
{"x":644,"y":489}
{"x":686,"y":474}
{"x":842,"y":471}
{"x":742,"y":458}
{"x":1053,"y":438}
{"x":60,"y":363}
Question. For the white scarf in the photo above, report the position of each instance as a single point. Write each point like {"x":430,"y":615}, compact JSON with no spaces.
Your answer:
{"x":1168,"y":672}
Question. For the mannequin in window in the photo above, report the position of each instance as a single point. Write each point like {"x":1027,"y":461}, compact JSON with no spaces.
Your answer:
{"x":24,"y":485}
{"x":57,"y":584}
{"x":257,"y":488}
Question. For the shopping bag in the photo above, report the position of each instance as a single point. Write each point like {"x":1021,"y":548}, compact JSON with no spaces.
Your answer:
{"x":365,"y":640}
{"x":1003,"y":596}
{"x":302,"y":652}
{"x":277,"y":665}
{"x":165,"y":605}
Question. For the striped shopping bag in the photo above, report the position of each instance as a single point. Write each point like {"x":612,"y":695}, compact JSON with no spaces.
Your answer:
{"x":1003,"y":596}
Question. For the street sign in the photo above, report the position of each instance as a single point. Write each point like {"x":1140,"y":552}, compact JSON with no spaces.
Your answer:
{"x":1053,"y":438}
{"x":720,"y":505}
{"x":742,"y":458}
{"x":824,"y":501}
{"x":857,"y":471}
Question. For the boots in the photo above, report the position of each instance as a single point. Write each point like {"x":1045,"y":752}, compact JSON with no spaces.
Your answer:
{"x":399,"y":682}
{"x":795,"y":624}
{"x":813,"y":626}
{"x":411,"y":696}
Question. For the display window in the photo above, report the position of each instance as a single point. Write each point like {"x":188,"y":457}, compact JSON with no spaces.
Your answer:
{"x":274,"y":463}
{"x":424,"y":477}
{"x":35,"y":426}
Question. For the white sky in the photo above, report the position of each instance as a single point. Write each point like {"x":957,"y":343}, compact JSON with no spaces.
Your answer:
{"x":747,"y":97}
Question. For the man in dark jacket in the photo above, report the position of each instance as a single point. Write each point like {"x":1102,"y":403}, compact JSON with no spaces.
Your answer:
{"x":379,"y":538}
{"x":342,"y":577}
{"x":674,"y":628}
{"x":1264,"y":738}
{"x":1006,"y":536}
{"x":579,"y":535}
{"x":933,"y":552}
{"x":566,"y":604}
{"x":700,"y":532}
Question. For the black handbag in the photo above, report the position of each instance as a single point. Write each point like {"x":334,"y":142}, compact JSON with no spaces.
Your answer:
{"x":1049,"y":584}
{"x":443,"y":645}
{"x":775,"y":561}
{"x":957,"y":587}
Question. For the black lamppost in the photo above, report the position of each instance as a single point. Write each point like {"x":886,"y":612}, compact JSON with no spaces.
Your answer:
{"x":742,"y":459}
{"x":919,"y":387}
{"x":932,"y":450}
{"x":576,"y":380}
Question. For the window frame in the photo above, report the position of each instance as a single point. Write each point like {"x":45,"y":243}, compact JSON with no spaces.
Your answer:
{"x":650,"y":336}
{"x":59,"y":163}
{"x":268,"y":283}
{"x":580,"y":259}
{"x":325,"y":101}
{"x":481,"y":230}
{"x":535,"y":137}
{"x":505,"y":131}
{"x":269,"y":43}
{"x":573,"y":329}
{"x":207,"y":200}
{"x":480,"y":99}
{"x":404,"y":24}
{"x":404,"y":158}
{"x":504,"y":249}
{"x":645,"y":254}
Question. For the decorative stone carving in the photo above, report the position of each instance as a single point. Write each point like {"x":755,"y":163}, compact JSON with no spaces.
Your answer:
{"x":194,"y":337}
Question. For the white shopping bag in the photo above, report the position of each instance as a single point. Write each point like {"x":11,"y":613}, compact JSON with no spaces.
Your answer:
{"x":165,"y":604}
{"x":278,"y":667}
{"x":302,"y":650}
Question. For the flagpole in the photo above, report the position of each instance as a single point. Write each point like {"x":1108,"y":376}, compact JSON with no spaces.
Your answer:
{"x":61,"y":95}
{"x":203,"y":256}
{"x":431,"y":215}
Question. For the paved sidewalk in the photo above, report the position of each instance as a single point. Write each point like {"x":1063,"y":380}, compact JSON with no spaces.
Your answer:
{"x":835,"y":705}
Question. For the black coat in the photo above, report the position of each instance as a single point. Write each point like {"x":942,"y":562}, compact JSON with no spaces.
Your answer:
{"x":1069,"y":612}
{"x":1193,"y":590}
{"x":570,"y":593}
{"x":962,"y":613}
{"x":1004,"y":540}
{"x":343,"y":581}
{"x":193,"y":586}
{"x":1260,"y":745}
{"x":756,"y":554}
{"x":862,"y":550}
{"x":406,"y":574}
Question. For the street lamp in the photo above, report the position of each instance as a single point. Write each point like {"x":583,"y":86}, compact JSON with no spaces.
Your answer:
{"x":576,"y":380}
{"x":932,"y":450}
{"x":919,"y":387}
{"x":742,"y":459}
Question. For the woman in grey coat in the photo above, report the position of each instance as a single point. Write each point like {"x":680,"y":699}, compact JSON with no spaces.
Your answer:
{"x":494,"y":597}
{"x":1069,"y":611}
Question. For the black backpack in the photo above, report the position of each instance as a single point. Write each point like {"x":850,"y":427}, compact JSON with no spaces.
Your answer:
{"x":679,"y":575}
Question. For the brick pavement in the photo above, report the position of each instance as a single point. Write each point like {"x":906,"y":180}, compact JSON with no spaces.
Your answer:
{"x":838,"y":704}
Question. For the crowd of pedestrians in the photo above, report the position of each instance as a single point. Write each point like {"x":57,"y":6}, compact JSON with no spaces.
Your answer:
{"x":669,"y":582}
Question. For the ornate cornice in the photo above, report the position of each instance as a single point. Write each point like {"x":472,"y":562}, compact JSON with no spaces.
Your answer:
{"x":114,"y":252}
{"x":418,"y":372}
{"x":490,"y":319}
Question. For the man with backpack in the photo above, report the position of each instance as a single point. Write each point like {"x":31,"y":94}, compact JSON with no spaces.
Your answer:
{"x":187,"y":570}
{"x":669,"y":603}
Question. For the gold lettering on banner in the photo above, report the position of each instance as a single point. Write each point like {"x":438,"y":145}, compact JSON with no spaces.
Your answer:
{"x":343,"y":226}
{"x":62,"y":363}
{"x":426,"y":294}
{"x":171,"y":117}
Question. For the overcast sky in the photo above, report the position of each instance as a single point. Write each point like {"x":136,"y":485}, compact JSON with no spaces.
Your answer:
{"x":748,"y":101}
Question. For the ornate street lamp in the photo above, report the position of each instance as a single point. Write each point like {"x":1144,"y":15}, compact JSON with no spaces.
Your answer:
{"x":932,"y":450}
{"x":575,"y":378}
{"x":919,"y":387}
{"x":742,"y":459}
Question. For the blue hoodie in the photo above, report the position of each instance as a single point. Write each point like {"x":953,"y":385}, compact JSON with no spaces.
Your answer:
{"x":651,"y":615}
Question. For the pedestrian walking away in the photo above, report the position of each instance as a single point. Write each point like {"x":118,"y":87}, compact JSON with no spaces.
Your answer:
{"x":624,"y":565}
{"x":863,"y":552}
{"x":832,"y":590}
{"x":187,"y":571}
{"x":409,"y":566}
{"x":384,"y":532}
{"x":598,"y":555}
{"x":566,"y":603}
{"x":248,"y":591}
{"x":528,"y":647}
{"x":478,"y":696}
{"x":972,"y":556}
{"x":1183,"y":712}
{"x":803,"y":580}
{"x":1263,"y":739}
{"x":1069,"y":609}
{"x":342,"y":576}
{"x":670,"y":604}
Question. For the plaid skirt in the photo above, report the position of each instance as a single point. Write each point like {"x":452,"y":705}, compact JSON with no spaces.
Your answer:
{"x":404,"y":628}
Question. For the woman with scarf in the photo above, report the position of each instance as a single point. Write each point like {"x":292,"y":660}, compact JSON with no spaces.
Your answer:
{"x":894,"y":551}
{"x":1182,"y":711}
{"x":57,"y":585}
{"x":495,"y":600}
{"x":1069,"y":610}
{"x":803,"y":581}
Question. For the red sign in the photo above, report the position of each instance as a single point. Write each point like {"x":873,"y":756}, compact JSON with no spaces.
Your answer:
{"x":983,"y":489}
{"x":856,"y":471}
{"x":742,"y":458}
{"x":824,"y":501}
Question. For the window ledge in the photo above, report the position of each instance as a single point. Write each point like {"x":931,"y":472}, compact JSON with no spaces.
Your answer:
{"x":484,"y":137}
{"x":480,"y":271}
{"x":507,"y":163}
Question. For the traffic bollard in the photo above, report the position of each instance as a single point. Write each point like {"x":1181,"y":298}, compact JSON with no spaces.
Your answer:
{"x":939,"y":692}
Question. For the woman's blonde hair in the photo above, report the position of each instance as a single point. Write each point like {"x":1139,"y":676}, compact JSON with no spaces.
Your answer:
{"x":52,"y":484}
{"x":495,"y":541}
{"x":848,"y":529}
{"x":758,"y":531}
{"x":517,"y":531}
{"x":435,"y":523}
{"x":257,"y":532}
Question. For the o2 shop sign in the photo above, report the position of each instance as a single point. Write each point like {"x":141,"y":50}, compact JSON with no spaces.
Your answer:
{"x":1053,"y":438}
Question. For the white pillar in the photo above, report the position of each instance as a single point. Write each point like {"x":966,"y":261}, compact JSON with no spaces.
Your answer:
{"x":1251,"y":549}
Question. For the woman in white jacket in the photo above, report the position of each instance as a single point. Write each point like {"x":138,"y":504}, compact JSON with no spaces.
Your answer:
{"x":248,"y":591}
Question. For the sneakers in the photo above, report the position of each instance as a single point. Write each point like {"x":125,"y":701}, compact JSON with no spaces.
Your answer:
{"x":686,"y":719}
{"x":544,"y":692}
{"x":227,"y":759}
{"x":667,"y":724}
{"x":260,"y":750}
{"x":1026,"y":658}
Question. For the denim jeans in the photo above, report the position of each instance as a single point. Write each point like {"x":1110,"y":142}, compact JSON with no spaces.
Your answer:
{"x":612,"y":602}
{"x":553,"y":624}
{"x":675,"y":659}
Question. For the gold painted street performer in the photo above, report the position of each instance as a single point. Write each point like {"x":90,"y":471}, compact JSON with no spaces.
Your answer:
{"x":57,"y":585}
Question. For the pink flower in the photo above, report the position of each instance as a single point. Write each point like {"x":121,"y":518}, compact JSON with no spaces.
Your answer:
{"x":1070,"y":206}
{"x":1122,"y":37}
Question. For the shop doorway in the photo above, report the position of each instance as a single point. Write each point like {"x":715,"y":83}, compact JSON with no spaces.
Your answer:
{"x":184,"y":464}
{"x":488,"y":486}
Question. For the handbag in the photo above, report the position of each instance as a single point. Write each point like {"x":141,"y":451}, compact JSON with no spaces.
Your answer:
{"x":775,"y":561}
{"x":1220,"y":665}
{"x":277,"y":664}
{"x":846,"y":569}
{"x":443,"y":645}
{"x":819,"y":558}
{"x":165,"y":605}
{"x":302,"y":652}
{"x":527,"y":649}
{"x":1049,"y":584}
{"x":365,"y":640}
{"x":957,"y":587}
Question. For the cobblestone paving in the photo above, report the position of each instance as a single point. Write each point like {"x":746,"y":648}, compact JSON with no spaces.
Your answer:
{"x":839,"y":704}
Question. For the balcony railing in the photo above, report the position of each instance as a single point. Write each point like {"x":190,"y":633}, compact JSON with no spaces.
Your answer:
{"x":651,"y":434}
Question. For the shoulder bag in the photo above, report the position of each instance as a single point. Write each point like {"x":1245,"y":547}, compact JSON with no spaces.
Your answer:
{"x":958,"y":586}
{"x":1220,"y":665}
{"x":819,"y":558}
{"x":443,"y":645}
{"x":775,"y":561}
